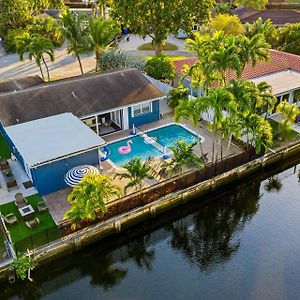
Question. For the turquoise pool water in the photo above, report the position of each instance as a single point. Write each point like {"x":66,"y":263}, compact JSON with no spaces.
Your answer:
{"x":166,"y":136}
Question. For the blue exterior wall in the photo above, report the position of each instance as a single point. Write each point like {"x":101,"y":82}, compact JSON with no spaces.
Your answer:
{"x":144,"y":118}
{"x":193,"y":92}
{"x":50,"y":178}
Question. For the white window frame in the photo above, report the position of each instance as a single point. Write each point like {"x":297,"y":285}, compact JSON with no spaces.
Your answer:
{"x":140,"y":105}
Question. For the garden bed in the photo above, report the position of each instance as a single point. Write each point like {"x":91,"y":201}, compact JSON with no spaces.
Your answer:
{"x":23,"y":237}
{"x":151,"y":47}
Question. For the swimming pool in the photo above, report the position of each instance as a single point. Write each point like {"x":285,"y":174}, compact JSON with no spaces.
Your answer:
{"x":166,"y":136}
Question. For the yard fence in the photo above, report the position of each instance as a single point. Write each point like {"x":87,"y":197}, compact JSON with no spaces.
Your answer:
{"x":174,"y":184}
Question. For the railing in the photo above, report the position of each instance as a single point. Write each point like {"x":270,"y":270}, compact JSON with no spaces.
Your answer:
{"x":6,"y":250}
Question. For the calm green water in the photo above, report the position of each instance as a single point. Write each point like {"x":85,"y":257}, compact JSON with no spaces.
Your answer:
{"x":244,"y":244}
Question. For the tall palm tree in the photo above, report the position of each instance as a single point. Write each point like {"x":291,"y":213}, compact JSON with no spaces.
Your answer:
{"x":101,"y":32}
{"x":74,"y":30}
{"x":136,"y":172}
{"x":37,"y":46}
{"x":192,"y":110}
{"x":183,"y":157}
{"x":88,"y":198}
{"x":224,"y":58}
{"x":252,"y":50}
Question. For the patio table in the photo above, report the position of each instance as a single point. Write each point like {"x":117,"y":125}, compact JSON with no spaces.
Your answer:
{"x":26,"y":212}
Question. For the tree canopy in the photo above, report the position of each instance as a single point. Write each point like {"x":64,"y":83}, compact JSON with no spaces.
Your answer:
{"x":160,"y":67}
{"x":159,"y":18}
{"x":227,"y":23}
{"x":253,"y":4}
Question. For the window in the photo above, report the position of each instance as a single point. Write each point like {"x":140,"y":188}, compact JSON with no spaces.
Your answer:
{"x":141,"y":109}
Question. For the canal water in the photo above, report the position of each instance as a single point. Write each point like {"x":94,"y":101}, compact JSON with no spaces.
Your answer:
{"x":243,"y":244}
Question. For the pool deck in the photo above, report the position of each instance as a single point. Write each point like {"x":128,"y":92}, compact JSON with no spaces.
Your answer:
{"x":168,"y":119}
{"x":57,"y":202}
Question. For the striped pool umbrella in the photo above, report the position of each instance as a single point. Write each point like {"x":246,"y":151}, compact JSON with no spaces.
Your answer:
{"x":75,"y":175}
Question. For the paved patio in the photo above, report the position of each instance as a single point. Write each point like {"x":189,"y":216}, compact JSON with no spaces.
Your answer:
{"x":21,"y":178}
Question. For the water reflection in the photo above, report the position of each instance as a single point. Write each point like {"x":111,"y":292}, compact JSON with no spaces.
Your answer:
{"x":207,"y":235}
{"x":212,"y":237}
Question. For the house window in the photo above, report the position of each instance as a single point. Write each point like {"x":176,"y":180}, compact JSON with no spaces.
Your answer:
{"x":141,"y":109}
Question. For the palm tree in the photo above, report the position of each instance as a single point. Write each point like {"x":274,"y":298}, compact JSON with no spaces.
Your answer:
{"x":136,"y":172}
{"x":74,"y":31}
{"x":289,"y":113}
{"x":37,"y":46}
{"x":252,"y":50}
{"x":88,"y":198}
{"x":225,"y":58}
{"x":183,"y":158}
{"x":192,"y":109}
{"x":101,"y":32}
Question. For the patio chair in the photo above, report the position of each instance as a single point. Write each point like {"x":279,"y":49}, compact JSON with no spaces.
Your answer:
{"x":4,"y":165}
{"x":32,"y":223}
{"x":20,"y":201}
{"x":42,"y":207}
{"x":10,"y":219}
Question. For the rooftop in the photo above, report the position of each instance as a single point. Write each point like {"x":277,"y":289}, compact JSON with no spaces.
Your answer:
{"x":277,"y":16}
{"x":44,"y":140}
{"x":279,"y":61}
{"x":291,"y":81}
{"x":82,"y":96}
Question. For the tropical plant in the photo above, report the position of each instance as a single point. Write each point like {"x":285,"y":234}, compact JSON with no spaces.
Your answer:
{"x":288,"y":38}
{"x":267,"y":29}
{"x":37,"y":46}
{"x":227,"y":23}
{"x":176,"y":94}
{"x":117,"y":59}
{"x":253,"y":4}
{"x":192,"y":109}
{"x":289,"y":113}
{"x":158,"y":19}
{"x":75,"y":32}
{"x":252,"y":50}
{"x":101,"y":32}
{"x":160,"y":67}
{"x":136,"y":172}
{"x":222,"y":8}
{"x":183,"y":158}
{"x":22,"y":265}
{"x":88,"y":198}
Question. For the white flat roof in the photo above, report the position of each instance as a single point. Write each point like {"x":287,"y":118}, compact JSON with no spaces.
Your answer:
{"x":47,"y":139}
{"x":281,"y":82}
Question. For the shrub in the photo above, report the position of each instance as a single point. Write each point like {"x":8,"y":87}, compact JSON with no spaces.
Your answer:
{"x":160,"y":67}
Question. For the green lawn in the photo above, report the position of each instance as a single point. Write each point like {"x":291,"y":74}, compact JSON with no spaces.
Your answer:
{"x":4,"y":149}
{"x":24,"y":237}
{"x":149,"y":46}
{"x":292,"y":135}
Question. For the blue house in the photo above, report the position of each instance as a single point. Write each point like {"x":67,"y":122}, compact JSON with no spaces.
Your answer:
{"x":52,"y":127}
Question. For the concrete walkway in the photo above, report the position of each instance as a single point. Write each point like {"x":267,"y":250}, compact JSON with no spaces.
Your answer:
{"x":135,"y":41}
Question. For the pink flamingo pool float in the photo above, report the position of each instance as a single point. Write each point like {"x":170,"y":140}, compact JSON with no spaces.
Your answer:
{"x":125,"y":149}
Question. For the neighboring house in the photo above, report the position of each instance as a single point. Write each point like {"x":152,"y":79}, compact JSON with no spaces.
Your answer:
{"x":282,"y":72}
{"x":278,"y":16}
{"x":47,"y":126}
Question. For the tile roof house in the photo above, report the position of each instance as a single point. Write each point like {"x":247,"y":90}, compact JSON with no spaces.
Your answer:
{"x":278,"y":16}
{"x":279,"y":64}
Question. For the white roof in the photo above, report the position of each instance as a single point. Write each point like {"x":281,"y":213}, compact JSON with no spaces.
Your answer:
{"x":281,"y":82}
{"x":47,"y":139}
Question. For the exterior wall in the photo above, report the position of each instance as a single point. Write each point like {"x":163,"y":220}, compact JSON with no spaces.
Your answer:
{"x":12,"y":147}
{"x":153,"y":116}
{"x":50,"y":177}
